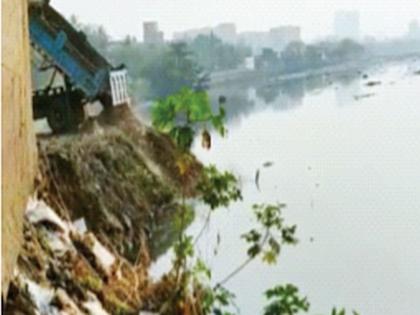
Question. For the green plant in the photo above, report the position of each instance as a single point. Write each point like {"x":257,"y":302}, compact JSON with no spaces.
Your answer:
{"x":91,"y":282}
{"x":272,"y":233}
{"x":218,"y":189}
{"x":222,"y":301}
{"x":342,"y":311}
{"x":214,"y":54}
{"x":116,"y":305}
{"x":183,"y":250}
{"x":179,"y":115}
{"x":267,"y":239}
{"x":285,"y":300}
{"x":210,"y":300}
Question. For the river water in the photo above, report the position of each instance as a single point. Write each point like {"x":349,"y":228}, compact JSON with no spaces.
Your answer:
{"x":346,"y":162}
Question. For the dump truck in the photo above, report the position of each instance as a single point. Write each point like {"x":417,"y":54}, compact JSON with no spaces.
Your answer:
{"x":86,"y":75}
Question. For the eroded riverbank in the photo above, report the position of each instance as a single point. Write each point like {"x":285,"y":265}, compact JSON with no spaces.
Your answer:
{"x":104,"y":208}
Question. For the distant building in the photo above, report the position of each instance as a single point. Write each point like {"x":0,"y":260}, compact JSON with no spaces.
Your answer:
{"x":250,"y":63}
{"x":191,"y":34}
{"x":253,"y":39}
{"x":226,"y":32}
{"x":151,"y":33}
{"x":276,"y":38}
{"x":414,"y":30}
{"x":347,"y":25}
{"x":280,"y":37}
{"x":286,"y":34}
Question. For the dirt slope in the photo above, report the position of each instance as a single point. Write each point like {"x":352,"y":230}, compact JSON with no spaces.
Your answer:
{"x":103,"y":210}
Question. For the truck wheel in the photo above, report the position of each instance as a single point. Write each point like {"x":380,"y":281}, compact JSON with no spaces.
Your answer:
{"x":63,"y":118}
{"x":58,"y":116}
{"x":77,"y":116}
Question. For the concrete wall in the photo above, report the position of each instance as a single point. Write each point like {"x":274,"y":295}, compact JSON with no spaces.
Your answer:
{"x":19,"y":146}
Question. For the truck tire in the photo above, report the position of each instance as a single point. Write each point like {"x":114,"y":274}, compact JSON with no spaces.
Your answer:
{"x":57,"y":116}
{"x":63,"y":118}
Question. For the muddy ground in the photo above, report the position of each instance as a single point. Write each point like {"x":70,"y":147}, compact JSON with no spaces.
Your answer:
{"x":103,"y":210}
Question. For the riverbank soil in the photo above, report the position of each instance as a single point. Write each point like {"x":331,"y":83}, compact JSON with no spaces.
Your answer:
{"x":103,"y":210}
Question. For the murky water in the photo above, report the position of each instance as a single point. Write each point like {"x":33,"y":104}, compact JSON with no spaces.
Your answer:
{"x":347,"y":164}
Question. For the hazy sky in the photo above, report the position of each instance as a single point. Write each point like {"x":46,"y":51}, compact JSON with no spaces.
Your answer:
{"x":122,"y":17}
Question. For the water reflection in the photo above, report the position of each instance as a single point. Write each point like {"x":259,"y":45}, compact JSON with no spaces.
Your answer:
{"x":348,"y":93}
{"x":247,"y":98}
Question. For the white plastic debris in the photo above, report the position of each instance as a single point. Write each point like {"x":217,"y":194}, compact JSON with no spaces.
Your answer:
{"x":94,"y":306}
{"x":59,"y":239}
{"x":58,"y":243}
{"x":40,"y":296}
{"x":80,"y":226}
{"x":69,"y":307}
{"x":38,"y":211}
{"x":103,"y":255}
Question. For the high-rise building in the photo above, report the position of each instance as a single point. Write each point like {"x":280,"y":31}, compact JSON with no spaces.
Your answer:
{"x":286,"y":34}
{"x":253,"y":39}
{"x":191,"y":34}
{"x":226,"y":32}
{"x":414,"y":30}
{"x":280,"y":37}
{"x":151,"y":33}
{"x":276,"y":38}
{"x":347,"y":25}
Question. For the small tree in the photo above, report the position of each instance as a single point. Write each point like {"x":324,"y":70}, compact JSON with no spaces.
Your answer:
{"x":293,"y":57}
{"x":181,"y":115}
{"x":284,"y":300}
{"x":175,"y":70}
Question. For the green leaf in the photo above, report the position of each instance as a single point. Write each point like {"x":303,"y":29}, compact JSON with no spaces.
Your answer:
{"x":180,"y":113}
{"x":252,"y":236}
{"x":183,"y":136}
{"x":201,"y":268}
{"x":218,"y":189}
{"x":275,"y":246}
{"x":285,"y":300}
{"x":270,"y":257}
{"x":288,"y":235}
{"x":254,"y":250}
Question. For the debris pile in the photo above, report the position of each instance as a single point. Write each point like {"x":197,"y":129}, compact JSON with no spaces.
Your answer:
{"x":65,"y":270}
{"x":103,"y":210}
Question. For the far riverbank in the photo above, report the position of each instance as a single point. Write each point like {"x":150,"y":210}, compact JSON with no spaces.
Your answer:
{"x":245,"y":75}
